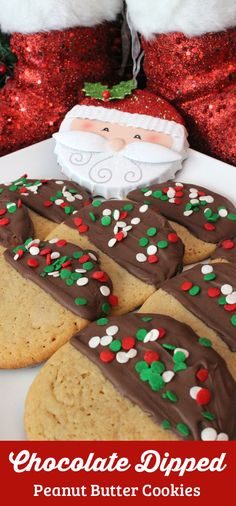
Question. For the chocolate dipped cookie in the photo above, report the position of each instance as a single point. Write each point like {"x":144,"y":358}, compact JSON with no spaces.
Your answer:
{"x":15,"y":222}
{"x":139,"y":376}
{"x":49,"y":201}
{"x":48,"y":290}
{"x":201,"y":217}
{"x":137,"y":246}
{"x":225,"y":252}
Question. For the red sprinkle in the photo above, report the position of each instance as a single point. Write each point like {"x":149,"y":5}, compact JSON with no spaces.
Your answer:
{"x":227,"y":244}
{"x":107,"y":356}
{"x":202,"y":375}
{"x":162,"y":332}
{"x":3,"y":211}
{"x":151,"y":356}
{"x":48,"y":203}
{"x":61,"y":243}
{"x":203,"y":396}
{"x":98,"y":275}
{"x":4,"y":222}
{"x":128,"y":343}
{"x":119,"y":236}
{"x":123,"y":215}
{"x":165,"y":190}
{"x":87,"y":203}
{"x":186,"y":286}
{"x":113,"y":299}
{"x":48,"y":259}
{"x":172,"y":237}
{"x":201,"y":193}
{"x":84,"y":259}
{"x":78,"y":222}
{"x":179,"y":193}
{"x":177,"y":201}
{"x":63,"y":204}
{"x":213,"y":292}
{"x":83,"y":228}
{"x":209,"y":227}
{"x":32,"y":262}
{"x":153,"y":259}
{"x":20,"y":253}
{"x":66,"y":264}
{"x":19,"y":203}
{"x":230,"y":307}
{"x":45,"y":251}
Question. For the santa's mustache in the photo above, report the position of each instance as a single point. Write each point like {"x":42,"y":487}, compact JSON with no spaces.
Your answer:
{"x":140,"y":151}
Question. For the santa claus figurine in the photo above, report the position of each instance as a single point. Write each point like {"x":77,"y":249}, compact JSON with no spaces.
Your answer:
{"x":190,"y":59}
{"x":59,"y":44}
{"x":120,"y":138}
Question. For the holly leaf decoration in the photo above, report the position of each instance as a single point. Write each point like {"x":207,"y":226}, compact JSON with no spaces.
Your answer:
{"x":100,"y":91}
{"x":95,"y":90}
{"x":119,"y":91}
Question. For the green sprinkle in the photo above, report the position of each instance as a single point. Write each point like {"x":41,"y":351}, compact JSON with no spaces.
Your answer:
{"x":49,"y":268}
{"x":59,"y":194}
{"x":209,"y":416}
{"x":88,"y":266}
{"x":69,"y":282}
{"x":208,"y":213}
{"x":140,"y":334}
{"x":145,"y":374}
{"x":106,"y":308}
{"x":43,"y":274}
{"x":11,"y":207}
{"x":141,"y":365}
{"x":205,"y":342}
{"x":96,"y":203}
{"x":222,"y":300}
{"x":144,"y":241}
{"x":106,"y":221}
{"x":115,"y":345}
{"x":188,"y":207}
{"x":180,"y":366}
{"x":144,"y":190}
{"x":65,"y":273}
{"x":195,"y":290}
{"x":210,"y":276}
{"x":81,"y":301}
{"x":231,"y":217}
{"x":152,"y":231}
{"x":13,"y":187}
{"x":76,"y":275}
{"x":164,"y":197}
{"x":183,"y":429}
{"x":1,"y":190}
{"x":215,"y":217}
{"x":146,"y":318}
{"x":102,"y":321}
{"x":72,"y":191}
{"x":53,"y":199}
{"x":157,"y":367}
{"x":195,"y":208}
{"x":69,"y":209}
{"x":128,"y":207}
{"x":166,"y":425}
{"x":203,"y":203}
{"x":168,"y":346}
{"x":77,"y":254}
{"x":233,"y":320}
{"x":92,"y":216}
{"x":162,"y":244}
{"x":179,"y":356}
{"x":156,"y":382}
{"x":157,"y":194}
{"x":170,"y":396}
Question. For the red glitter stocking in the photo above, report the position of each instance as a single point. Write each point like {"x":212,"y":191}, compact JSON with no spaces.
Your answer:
{"x":198,"y":75}
{"x":51,"y":67}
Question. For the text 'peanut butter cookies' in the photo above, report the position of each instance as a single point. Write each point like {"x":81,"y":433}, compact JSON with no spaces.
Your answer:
{"x":225,"y":252}
{"x":57,"y":289}
{"x":201,"y":217}
{"x":49,"y":201}
{"x":140,"y":376}
{"x":137,"y":246}
{"x":15,"y":223}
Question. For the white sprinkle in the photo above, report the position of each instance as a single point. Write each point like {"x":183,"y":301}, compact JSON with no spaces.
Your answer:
{"x":194,"y":201}
{"x":194,"y":391}
{"x":55,"y":274}
{"x":106,"y":212}
{"x":58,"y":202}
{"x":135,"y":221}
{"x":122,"y":357}
{"x":78,"y":196}
{"x":34,"y":250}
{"x":16,"y":257}
{"x":112,"y":330}
{"x":69,"y":197}
{"x":121,"y":224}
{"x":94,"y":342}
{"x":223,"y":213}
{"x":59,"y":182}
{"x":207,"y":269}
{"x":171,"y":201}
{"x":226,"y":289}
{"x":207,"y":198}
{"x":116,"y":214}
{"x":105,"y":290}
{"x":180,"y":185}
{"x":128,"y":228}
{"x":152,"y":335}
{"x":94,"y":257}
{"x":209,"y":434}
{"x":106,"y":340}
{"x":55,"y":254}
{"x":151,"y":250}
{"x":222,"y":437}
{"x":171,"y":193}
{"x":193,"y":195}
{"x":167,"y":376}
{"x":131,"y":353}
{"x":140,"y":257}
{"x":52,"y":241}
{"x":33,"y":188}
{"x":188,"y":213}
{"x":81,"y":271}
{"x":186,"y":352}
{"x":193,"y":190}
{"x":115,"y":230}
{"x":82,"y":281}
{"x":148,"y":194}
{"x":112,"y":242}
{"x":143,"y":209}
{"x":231,"y":299}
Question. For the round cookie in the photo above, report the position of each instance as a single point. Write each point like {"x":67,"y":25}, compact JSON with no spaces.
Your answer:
{"x":140,"y":376}
{"x":136,"y":246}
{"x":48,"y":291}
{"x":201,"y":217}
{"x":225,"y":252}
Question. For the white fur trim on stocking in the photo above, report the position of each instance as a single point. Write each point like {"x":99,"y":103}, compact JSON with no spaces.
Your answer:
{"x":192,"y":17}
{"x":31,"y":16}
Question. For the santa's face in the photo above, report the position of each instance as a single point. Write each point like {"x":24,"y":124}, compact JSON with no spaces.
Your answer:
{"x":111,"y":159}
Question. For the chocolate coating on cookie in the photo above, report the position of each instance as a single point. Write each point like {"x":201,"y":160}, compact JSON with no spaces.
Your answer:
{"x":137,"y":238}
{"x":163,"y":366}
{"x":15,"y":223}
{"x":71,"y":275}
{"x":209,"y":292}
{"x":207,"y":215}
{"x":52,"y":199}
{"x":226,"y":251}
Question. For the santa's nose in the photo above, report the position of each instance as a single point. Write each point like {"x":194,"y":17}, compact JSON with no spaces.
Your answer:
{"x":117,"y":144}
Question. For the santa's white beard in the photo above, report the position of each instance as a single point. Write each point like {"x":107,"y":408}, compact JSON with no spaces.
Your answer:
{"x":112,"y":175}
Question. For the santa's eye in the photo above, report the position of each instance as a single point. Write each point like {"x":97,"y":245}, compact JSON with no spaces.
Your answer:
{"x":105,"y":130}
{"x":137,"y":136}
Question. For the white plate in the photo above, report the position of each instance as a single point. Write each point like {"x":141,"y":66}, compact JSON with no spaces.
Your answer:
{"x":39,"y":161}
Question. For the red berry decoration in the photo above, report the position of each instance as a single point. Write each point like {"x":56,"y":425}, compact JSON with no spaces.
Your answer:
{"x":203,"y":396}
{"x":106,"y":94}
{"x":3,"y":68}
